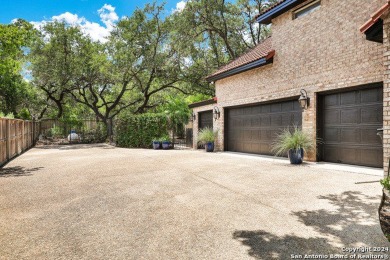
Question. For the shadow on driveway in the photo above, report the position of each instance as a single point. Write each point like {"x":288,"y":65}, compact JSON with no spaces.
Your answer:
{"x":18,"y":171}
{"x":73,"y":146}
{"x":350,"y":224}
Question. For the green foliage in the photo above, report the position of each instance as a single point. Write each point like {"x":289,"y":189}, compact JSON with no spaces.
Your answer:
{"x":177,"y":111}
{"x":386,"y":183}
{"x":197,"y":98}
{"x":56,"y":132}
{"x":138,"y":131}
{"x":14,"y":39}
{"x":292,"y":138}
{"x":207,"y":135}
{"x":9,"y":115}
{"x":96,"y":135}
{"x":165,"y":138}
{"x":24,"y":114}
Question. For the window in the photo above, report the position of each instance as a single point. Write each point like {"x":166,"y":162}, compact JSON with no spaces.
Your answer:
{"x":307,"y":9}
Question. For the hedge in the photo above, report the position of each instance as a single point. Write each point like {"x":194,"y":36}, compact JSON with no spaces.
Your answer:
{"x":138,"y":131}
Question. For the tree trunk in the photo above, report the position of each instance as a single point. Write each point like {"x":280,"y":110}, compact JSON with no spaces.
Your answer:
{"x":110,"y":132}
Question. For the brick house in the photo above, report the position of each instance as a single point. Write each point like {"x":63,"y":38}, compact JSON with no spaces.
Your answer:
{"x":338,"y":53}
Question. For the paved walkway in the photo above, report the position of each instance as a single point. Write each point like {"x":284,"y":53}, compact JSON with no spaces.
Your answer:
{"x":100,"y":202}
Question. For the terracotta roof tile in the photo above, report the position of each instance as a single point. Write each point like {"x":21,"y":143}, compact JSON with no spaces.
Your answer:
{"x":375,"y":17}
{"x":262,"y":50}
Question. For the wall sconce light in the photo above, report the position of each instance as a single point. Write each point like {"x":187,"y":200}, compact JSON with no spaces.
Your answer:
{"x":193,"y":116}
{"x":216,"y":113}
{"x":303,"y":100}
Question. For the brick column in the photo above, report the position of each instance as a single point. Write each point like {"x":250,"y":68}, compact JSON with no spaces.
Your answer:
{"x":309,"y":123}
{"x":386,"y":93}
{"x":219,"y":126}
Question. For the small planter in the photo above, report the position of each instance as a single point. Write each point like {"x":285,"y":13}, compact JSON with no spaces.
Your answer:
{"x":209,"y":147}
{"x":156,"y":145}
{"x":166,"y":145}
{"x":295,"y":156}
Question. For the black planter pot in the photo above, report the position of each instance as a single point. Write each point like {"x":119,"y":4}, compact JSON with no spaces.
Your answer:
{"x":156,"y":145}
{"x":295,"y":156}
{"x":165,"y":145}
{"x":209,"y":147}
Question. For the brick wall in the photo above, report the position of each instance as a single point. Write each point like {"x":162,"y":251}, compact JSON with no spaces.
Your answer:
{"x":319,"y":52}
{"x":386,"y":93}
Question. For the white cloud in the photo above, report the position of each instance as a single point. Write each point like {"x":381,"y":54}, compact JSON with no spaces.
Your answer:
{"x":180,"y":6}
{"x":72,"y":19}
{"x":95,"y":30}
{"x":108,"y":16}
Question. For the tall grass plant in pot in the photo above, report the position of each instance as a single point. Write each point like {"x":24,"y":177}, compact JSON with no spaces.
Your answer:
{"x":207,"y":137}
{"x":294,"y":142}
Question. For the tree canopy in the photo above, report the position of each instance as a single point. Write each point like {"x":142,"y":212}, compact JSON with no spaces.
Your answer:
{"x":150,"y":60}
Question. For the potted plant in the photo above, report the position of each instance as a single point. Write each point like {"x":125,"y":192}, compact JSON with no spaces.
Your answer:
{"x":295,"y":142}
{"x":384,"y":208}
{"x":156,"y":143}
{"x":166,"y":142}
{"x":207,"y":137}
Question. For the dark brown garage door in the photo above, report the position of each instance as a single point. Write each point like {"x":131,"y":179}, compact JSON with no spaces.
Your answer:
{"x":350,"y":121}
{"x":252,"y":129}
{"x":206,"y":119}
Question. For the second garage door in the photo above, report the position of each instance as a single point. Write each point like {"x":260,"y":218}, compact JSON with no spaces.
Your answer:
{"x":349,"y":127}
{"x":253,"y":129}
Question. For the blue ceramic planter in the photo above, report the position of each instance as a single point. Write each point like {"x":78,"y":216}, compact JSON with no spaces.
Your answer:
{"x":209,"y":147}
{"x":156,"y":145}
{"x":295,"y":156}
{"x":165,"y":145}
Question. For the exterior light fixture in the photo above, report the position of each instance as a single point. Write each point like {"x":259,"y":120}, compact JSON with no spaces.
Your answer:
{"x":303,"y":100}
{"x":193,"y":116}
{"x":216,"y":113}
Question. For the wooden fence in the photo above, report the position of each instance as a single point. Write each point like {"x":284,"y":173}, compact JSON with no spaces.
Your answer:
{"x":16,"y":136}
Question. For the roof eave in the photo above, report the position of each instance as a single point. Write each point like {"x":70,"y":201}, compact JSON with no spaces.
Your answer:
{"x":375,"y":17}
{"x":254,"y":64}
{"x":267,"y":17}
{"x":203,"y":103}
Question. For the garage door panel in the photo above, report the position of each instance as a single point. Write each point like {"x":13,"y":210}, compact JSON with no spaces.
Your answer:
{"x":332,"y":117}
{"x":276,"y":107}
{"x":286,"y":107}
{"x":331,"y":100}
{"x":349,"y":116}
{"x":371,"y":115}
{"x":348,"y":98}
{"x":370,"y":137}
{"x":349,"y":135}
{"x":368,"y":96}
{"x":349,"y":127}
{"x":255,"y":122}
{"x":276,"y":120}
{"x":265,"y":122}
{"x":331,"y":135}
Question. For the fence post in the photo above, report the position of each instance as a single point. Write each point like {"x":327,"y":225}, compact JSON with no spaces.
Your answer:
{"x":7,"y":138}
{"x":33,"y":132}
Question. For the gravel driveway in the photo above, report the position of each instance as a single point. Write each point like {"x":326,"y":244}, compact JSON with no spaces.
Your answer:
{"x":101,"y":202}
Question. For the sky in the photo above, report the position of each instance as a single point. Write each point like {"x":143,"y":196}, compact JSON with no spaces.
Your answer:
{"x":95,"y":17}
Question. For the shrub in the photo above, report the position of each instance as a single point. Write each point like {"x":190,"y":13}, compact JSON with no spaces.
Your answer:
{"x":138,"y":131}
{"x":9,"y":115}
{"x":55,"y":132}
{"x":206,"y":135}
{"x":292,"y":138}
{"x":386,"y":183}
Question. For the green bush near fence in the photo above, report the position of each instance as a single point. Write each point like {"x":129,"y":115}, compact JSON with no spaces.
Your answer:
{"x":138,"y":131}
